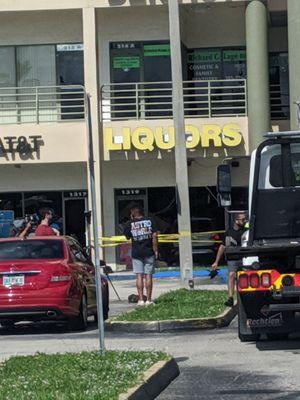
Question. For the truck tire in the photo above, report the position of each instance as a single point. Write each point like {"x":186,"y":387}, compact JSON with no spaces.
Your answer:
{"x":245,"y":334}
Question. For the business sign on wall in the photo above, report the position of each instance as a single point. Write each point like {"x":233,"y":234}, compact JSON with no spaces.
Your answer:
{"x":147,"y":136}
{"x":43,"y":143}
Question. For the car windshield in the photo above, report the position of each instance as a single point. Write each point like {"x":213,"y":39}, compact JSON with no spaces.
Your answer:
{"x":31,"y":250}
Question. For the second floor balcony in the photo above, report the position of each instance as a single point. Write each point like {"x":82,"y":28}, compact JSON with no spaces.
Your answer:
{"x":133,"y":101}
{"x":38,"y":104}
{"x":153,"y":100}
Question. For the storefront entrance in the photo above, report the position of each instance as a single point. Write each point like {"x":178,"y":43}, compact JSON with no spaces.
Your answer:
{"x":75,"y":223}
{"x":159,"y":203}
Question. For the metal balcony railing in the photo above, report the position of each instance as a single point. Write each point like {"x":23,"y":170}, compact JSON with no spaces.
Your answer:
{"x":279,"y":102}
{"x":153,"y":100}
{"x":41,"y":104}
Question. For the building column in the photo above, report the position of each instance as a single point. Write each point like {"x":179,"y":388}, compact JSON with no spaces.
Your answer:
{"x":257,"y":72}
{"x":294,"y":58}
{"x":92,"y":86}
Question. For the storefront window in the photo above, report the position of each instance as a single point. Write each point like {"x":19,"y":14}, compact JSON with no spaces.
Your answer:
{"x":7,"y":67}
{"x":204,"y":64}
{"x":133,"y":62}
{"x":12,"y":202}
{"x":41,"y":65}
{"x":216,"y":64}
{"x":36,"y":66}
{"x":234,"y":64}
{"x":70,"y":68}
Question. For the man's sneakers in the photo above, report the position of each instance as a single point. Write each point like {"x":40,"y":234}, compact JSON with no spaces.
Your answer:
{"x":149,"y":303}
{"x":229,"y":302}
{"x":145,"y":303}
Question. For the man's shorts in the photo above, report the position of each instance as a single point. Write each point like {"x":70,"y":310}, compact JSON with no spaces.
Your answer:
{"x":233,"y":266}
{"x":143,"y":266}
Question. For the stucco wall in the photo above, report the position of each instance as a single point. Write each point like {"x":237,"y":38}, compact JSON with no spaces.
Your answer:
{"x":40,"y":27}
{"x":59,"y":176}
{"x":217,"y":26}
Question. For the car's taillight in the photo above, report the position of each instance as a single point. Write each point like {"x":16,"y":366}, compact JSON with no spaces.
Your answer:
{"x":265,"y":280}
{"x":243,"y":281}
{"x":254,"y":281}
{"x":60,"y":278}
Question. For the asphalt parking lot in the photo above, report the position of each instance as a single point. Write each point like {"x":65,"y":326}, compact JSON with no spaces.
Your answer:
{"x":214,"y":364}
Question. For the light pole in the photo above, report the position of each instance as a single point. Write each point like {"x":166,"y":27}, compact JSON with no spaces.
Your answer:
{"x":95,"y":225}
{"x":182,"y":183}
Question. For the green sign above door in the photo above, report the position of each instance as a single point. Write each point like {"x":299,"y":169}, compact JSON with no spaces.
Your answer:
{"x":126,"y":62}
{"x":154,"y":50}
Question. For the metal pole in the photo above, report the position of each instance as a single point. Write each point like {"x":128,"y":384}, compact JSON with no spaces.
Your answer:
{"x":95,"y":224}
{"x":182,"y":184}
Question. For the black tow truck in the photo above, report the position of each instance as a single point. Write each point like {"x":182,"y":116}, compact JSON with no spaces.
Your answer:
{"x":268,"y":281}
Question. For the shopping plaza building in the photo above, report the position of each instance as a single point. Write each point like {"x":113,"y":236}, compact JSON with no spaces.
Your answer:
{"x":240,"y":63}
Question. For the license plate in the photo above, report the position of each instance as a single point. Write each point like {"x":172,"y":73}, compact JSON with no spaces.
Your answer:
{"x":13,"y":280}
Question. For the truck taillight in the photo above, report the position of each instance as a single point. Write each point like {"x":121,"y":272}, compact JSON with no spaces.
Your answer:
{"x":265,"y":280}
{"x":243,"y":281}
{"x":254,"y":281}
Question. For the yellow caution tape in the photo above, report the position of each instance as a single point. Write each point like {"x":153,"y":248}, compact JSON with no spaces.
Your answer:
{"x":114,"y":241}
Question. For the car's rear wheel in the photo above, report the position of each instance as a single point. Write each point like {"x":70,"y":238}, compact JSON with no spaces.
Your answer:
{"x":80,"y":322}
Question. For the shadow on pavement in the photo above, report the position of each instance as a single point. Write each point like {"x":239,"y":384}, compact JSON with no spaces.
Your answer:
{"x":43,"y":328}
{"x":225,"y":384}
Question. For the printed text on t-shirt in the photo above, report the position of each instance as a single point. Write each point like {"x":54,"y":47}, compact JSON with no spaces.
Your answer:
{"x":141,"y":230}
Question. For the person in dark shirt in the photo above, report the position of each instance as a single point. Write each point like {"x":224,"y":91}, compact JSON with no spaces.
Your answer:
{"x":44,"y":229}
{"x":232,"y":237}
{"x":143,"y":234}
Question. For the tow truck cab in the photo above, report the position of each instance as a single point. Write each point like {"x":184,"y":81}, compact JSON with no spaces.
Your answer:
{"x":268,"y":282}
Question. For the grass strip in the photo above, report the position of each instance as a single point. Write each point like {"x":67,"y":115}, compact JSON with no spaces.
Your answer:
{"x":70,"y":376}
{"x":180,"y":304}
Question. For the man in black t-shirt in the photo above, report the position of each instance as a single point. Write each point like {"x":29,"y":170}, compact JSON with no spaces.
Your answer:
{"x":232,"y":237}
{"x":143,"y":234}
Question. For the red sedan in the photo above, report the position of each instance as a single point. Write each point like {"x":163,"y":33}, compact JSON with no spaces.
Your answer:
{"x":48,"y":278}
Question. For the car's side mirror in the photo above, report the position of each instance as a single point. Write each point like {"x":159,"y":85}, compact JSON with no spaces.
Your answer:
{"x":224,"y":185}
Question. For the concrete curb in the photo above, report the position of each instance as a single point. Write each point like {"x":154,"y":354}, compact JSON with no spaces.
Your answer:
{"x":219,"y":321}
{"x":154,"y":381}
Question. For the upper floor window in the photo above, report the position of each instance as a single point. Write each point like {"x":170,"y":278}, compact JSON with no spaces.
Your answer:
{"x":41,"y":65}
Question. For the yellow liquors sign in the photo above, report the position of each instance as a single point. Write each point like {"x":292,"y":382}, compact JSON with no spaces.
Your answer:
{"x":148,"y":136}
